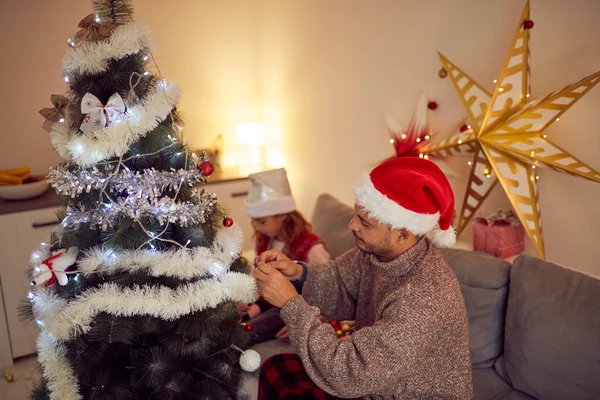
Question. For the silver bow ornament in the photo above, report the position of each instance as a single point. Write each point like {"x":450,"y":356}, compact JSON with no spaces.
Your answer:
{"x":98,"y":115}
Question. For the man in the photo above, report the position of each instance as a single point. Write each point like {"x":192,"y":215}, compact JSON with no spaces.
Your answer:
{"x":411,"y":339}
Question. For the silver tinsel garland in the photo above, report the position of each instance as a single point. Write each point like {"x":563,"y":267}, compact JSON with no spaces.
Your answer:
{"x":148,"y":184}
{"x":164,"y":209}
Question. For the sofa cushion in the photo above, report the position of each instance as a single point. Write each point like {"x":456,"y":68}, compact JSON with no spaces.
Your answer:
{"x":487,"y":385}
{"x":484,"y":284}
{"x":552,"y":338}
{"x":330,"y":221}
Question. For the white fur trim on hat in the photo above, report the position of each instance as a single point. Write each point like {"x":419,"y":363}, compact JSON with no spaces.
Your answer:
{"x":277,"y":206}
{"x":388,"y":211}
{"x":442,"y":238}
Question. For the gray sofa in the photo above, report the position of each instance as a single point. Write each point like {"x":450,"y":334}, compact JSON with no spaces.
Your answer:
{"x":534,"y":326}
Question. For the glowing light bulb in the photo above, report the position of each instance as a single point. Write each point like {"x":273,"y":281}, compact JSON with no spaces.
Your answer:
{"x":61,"y":120}
{"x":66,"y":79}
{"x":420,"y":155}
{"x":427,"y":137}
{"x":145,"y":58}
{"x":501,"y":90}
{"x":537,"y":177}
{"x":426,"y":157}
{"x":495,"y":80}
{"x":392,"y":141}
{"x":418,"y":140}
{"x":470,"y":163}
{"x":459,"y":141}
{"x":527,"y":95}
{"x":486,"y":171}
{"x":403,"y":136}
{"x":533,"y":154}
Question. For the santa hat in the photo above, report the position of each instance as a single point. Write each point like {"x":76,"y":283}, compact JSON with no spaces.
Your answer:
{"x":411,"y":193}
{"x":270,"y":194}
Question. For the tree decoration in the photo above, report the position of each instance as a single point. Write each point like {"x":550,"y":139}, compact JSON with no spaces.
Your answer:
{"x":93,"y":28}
{"x":55,"y":114}
{"x":507,"y":137}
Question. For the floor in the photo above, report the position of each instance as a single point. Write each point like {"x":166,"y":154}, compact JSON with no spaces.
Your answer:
{"x":25,"y":372}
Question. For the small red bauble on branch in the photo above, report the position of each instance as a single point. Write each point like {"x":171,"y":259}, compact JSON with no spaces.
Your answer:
{"x":228,"y":222}
{"x":432,"y":105}
{"x":206,"y":168}
{"x":528,"y":24}
{"x":464,"y":127}
{"x":248,"y":327}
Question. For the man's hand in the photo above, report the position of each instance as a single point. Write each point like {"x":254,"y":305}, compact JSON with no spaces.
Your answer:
{"x":280,"y":262}
{"x":273,"y":286}
{"x":282,"y":334}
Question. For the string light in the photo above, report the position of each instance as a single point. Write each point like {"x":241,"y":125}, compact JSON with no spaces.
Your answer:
{"x":146,"y":73}
{"x":61,"y":120}
{"x":145,"y":58}
{"x":97,"y":18}
{"x":527,"y":95}
{"x":66,"y":78}
{"x":420,"y":155}
{"x":426,"y":157}
{"x":418,"y":140}
{"x":533,"y":154}
{"x":486,"y":171}
{"x":427,"y":137}
{"x":403,"y":136}
{"x":470,"y":163}
{"x":537,"y":177}
{"x":533,"y":166}
{"x":495,"y":80}
{"x":392,"y":141}
{"x":557,"y":119}
{"x":545,"y":136}
{"x":459,"y":141}
{"x":468,"y":126}
{"x":501,"y":90}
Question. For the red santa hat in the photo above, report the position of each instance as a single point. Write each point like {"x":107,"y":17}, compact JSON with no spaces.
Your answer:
{"x":411,"y":193}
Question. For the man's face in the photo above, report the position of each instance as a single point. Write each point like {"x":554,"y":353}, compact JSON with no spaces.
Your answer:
{"x":371,"y":236}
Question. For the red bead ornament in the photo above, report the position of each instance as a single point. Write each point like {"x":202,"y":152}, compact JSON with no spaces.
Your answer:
{"x":206,"y":168}
{"x":228,"y":222}
{"x":432,"y":105}
{"x":528,"y":24}
{"x":333,"y":323}
{"x":248,"y":327}
{"x":464,"y":127}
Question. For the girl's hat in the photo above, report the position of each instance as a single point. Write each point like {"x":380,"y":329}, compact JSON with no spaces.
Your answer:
{"x":270,"y":194}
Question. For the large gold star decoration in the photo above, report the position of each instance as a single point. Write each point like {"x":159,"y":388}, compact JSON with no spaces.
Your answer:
{"x":506,"y":135}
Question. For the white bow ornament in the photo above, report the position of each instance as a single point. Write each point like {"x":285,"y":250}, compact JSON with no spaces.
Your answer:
{"x":54,"y":267}
{"x":99,"y":116}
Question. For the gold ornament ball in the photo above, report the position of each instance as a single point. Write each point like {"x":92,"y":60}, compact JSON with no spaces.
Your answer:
{"x":338,"y":332}
{"x":9,"y":377}
{"x":345,"y":327}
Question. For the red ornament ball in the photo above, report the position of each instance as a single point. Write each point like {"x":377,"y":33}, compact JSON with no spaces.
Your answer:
{"x":464,"y":127}
{"x":432,"y":105}
{"x":528,"y":24}
{"x":228,"y":222}
{"x":206,"y":168}
{"x":333,"y":323}
{"x":248,"y":327}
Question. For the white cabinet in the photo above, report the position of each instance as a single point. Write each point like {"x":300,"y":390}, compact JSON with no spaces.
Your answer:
{"x":231,"y":195}
{"x":20,"y":234}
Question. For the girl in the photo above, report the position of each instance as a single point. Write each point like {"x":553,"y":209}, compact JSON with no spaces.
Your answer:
{"x":277,"y":225}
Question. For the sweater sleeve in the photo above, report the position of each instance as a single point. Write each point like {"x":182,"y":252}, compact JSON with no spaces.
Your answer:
{"x":333,"y":287}
{"x":373,"y":360}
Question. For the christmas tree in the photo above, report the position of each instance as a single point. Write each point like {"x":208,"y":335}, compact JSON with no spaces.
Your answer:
{"x":135,"y":292}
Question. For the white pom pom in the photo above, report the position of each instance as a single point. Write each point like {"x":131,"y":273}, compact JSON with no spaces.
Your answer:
{"x":250,"y":360}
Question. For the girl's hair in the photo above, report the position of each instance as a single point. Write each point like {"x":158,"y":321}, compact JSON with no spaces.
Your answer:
{"x":293,"y":225}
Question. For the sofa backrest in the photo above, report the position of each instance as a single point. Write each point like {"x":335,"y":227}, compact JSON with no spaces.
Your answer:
{"x":552,"y":332}
{"x":484,"y":284}
{"x":330,"y":221}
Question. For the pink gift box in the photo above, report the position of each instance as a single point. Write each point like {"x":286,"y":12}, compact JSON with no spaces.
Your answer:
{"x":500,"y":234}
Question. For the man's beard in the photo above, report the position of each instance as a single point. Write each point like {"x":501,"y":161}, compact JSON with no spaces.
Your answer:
{"x":381,"y":249}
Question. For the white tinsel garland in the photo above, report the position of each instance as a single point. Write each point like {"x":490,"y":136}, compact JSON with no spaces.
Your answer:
{"x":93,"y":57}
{"x":65,"y":320}
{"x":182,"y":264}
{"x":62,"y":381}
{"x":114,"y":140}
{"x":149,"y":183}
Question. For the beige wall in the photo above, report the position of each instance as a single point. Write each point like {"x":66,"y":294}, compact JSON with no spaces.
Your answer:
{"x":320,"y":75}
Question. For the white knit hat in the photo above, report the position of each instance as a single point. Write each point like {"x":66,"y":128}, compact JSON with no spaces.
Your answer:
{"x":270,"y":194}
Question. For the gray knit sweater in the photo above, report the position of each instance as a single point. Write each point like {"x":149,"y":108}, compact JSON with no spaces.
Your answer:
{"x":411,"y":339}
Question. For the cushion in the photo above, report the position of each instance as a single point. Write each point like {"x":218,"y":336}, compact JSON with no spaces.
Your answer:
{"x":330,"y":221}
{"x":487,"y":385}
{"x":484,"y":284}
{"x":552,"y":338}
